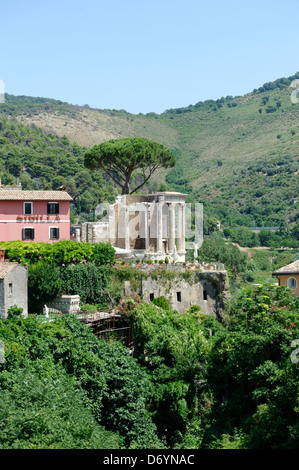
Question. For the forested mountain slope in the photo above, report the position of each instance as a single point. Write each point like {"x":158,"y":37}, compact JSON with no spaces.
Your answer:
{"x":237,"y":155}
{"x":39,"y":160}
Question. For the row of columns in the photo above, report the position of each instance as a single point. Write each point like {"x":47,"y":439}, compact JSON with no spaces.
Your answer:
{"x":157,"y":231}
{"x":171,"y":227}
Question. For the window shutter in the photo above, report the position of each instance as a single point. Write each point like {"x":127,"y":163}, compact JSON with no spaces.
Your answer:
{"x":28,"y":234}
{"x":53,"y":208}
{"x":54,"y":233}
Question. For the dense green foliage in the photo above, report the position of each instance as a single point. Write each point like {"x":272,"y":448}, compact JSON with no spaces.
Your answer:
{"x":214,"y":248}
{"x":174,"y":348}
{"x":194,"y":381}
{"x":273,"y":239}
{"x":43,"y":408}
{"x":90,"y":281}
{"x":61,"y":386}
{"x":45,"y":283}
{"x":63,"y":252}
{"x":252,"y":265}
{"x":228,"y":384}
{"x":252,"y":377}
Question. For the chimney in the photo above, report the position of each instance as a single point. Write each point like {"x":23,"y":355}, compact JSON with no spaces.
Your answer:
{"x":2,"y":255}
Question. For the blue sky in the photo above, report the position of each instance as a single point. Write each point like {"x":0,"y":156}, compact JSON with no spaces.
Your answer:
{"x":145,"y":55}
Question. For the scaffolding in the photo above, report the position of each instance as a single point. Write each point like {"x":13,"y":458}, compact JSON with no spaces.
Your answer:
{"x":110,"y":327}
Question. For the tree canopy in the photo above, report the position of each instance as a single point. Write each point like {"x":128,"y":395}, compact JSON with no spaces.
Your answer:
{"x":119,"y":158}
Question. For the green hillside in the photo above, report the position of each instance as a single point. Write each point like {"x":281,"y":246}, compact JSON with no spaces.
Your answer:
{"x":36,"y":160}
{"x":237,"y":155}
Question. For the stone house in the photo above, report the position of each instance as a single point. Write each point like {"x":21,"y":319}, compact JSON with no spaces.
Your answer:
{"x":289,"y":276}
{"x":13,"y":287}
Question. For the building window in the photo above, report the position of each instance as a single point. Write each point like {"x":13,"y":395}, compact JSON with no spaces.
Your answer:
{"x":152,"y":296}
{"x":292,"y":282}
{"x":54,"y":233}
{"x":179,"y":297}
{"x":205,"y":295}
{"x":28,"y":208}
{"x":10,"y":290}
{"x":28,"y":234}
{"x":53,"y":208}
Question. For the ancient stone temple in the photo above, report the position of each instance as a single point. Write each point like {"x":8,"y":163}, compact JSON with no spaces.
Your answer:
{"x":142,"y":226}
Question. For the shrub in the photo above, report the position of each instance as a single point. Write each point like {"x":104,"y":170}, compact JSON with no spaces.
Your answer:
{"x":14,"y":311}
{"x":128,"y":304}
{"x":43,"y":408}
{"x":161,"y":302}
{"x":44,"y":285}
{"x":87,"y":280}
{"x":62,"y":252}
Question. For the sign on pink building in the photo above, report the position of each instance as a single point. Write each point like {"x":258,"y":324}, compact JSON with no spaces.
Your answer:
{"x":40,"y":216}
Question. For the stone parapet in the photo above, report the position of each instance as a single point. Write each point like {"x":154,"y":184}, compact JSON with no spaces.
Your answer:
{"x":66,"y":304}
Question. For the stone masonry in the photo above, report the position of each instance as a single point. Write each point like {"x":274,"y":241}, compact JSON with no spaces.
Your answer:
{"x":13,"y":287}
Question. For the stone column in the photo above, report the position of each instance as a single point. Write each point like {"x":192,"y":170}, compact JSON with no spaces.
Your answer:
{"x":146,"y":226}
{"x":171,"y":228}
{"x":181,"y":228}
{"x":112,"y":226}
{"x":159,"y":227}
{"x":77,"y":237}
{"x":183,"y":247}
{"x":83,"y":232}
{"x":127,"y":229}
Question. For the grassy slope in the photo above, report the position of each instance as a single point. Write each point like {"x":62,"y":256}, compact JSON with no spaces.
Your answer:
{"x":224,"y":149}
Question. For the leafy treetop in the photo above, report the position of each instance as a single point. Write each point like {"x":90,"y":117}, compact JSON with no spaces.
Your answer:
{"x":119,"y":158}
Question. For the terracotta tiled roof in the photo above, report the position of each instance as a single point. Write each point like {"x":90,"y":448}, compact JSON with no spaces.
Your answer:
{"x":15,"y":195}
{"x":6,"y":268}
{"x":292,"y":268}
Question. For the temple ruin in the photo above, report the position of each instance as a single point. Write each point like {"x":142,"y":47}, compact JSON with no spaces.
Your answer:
{"x":142,"y":226}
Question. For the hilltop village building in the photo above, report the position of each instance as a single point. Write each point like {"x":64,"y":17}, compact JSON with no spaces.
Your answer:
{"x":40,"y":216}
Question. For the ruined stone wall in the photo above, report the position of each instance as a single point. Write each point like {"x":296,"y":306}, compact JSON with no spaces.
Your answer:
{"x":185,"y":287}
{"x":95,"y":232}
{"x":65,"y":304}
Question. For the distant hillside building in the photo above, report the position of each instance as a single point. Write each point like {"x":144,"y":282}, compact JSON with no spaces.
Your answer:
{"x":289,"y":276}
{"x":40,"y":216}
{"x":13,"y":287}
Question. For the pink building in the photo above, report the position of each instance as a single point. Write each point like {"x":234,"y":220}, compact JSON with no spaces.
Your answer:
{"x":40,"y":216}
